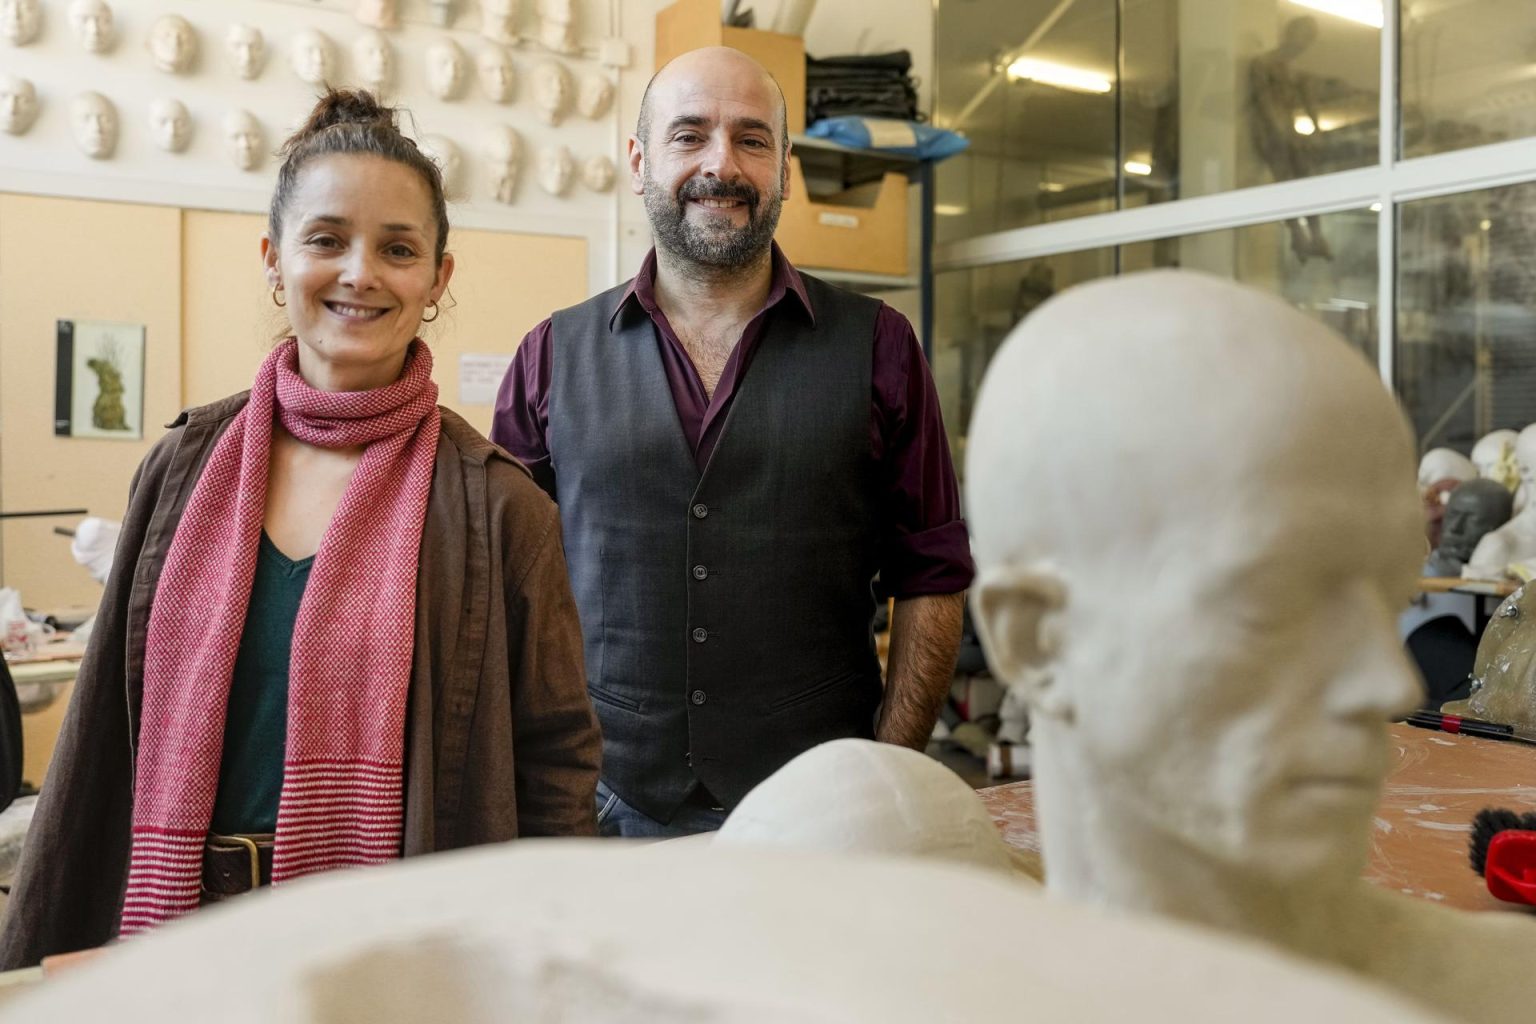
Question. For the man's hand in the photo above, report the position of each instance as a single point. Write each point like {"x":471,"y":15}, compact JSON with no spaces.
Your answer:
{"x":925,"y":637}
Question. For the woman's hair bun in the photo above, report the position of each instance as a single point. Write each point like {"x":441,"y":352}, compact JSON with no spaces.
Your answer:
{"x":343,"y":106}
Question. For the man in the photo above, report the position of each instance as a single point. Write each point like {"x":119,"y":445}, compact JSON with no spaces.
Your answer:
{"x":737,"y":449}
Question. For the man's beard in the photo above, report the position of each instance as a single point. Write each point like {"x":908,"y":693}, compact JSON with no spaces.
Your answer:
{"x":718,"y":243}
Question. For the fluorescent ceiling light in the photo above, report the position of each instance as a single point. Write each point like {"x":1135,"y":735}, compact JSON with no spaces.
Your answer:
{"x":1304,"y":125}
{"x":1059,"y":75}
{"x":1364,"y":12}
{"x":1137,"y":167}
{"x":1375,"y":207}
{"x":948,"y":209}
{"x":1052,"y":186}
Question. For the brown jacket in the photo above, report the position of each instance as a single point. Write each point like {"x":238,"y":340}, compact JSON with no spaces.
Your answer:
{"x":501,"y":739}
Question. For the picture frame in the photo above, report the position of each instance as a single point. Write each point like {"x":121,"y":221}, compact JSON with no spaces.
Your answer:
{"x":99,"y":383}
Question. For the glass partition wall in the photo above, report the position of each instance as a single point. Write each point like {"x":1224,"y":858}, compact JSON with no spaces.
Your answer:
{"x":1373,"y":163}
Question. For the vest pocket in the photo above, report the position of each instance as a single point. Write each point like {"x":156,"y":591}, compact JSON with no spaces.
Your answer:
{"x":613,"y":700}
{"x":813,"y":691}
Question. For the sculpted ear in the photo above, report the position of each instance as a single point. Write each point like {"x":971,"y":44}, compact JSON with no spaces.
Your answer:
{"x":1017,"y":614}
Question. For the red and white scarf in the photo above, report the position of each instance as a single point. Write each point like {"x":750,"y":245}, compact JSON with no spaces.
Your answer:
{"x":342,"y":800}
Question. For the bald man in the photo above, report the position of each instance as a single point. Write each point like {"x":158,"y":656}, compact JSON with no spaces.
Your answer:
{"x":737,"y":450}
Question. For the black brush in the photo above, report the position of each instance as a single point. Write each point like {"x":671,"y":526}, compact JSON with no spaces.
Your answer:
{"x":1503,"y":850}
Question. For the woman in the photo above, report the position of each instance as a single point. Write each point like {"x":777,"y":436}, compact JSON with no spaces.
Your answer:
{"x":337,"y":613}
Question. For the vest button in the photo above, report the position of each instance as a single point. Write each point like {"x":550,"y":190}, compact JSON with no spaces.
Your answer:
{"x":698,"y":696}
{"x":700,"y":573}
{"x":700,"y":510}
{"x":700,"y":635}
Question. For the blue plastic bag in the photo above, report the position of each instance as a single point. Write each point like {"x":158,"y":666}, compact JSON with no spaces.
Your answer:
{"x":886,"y":135}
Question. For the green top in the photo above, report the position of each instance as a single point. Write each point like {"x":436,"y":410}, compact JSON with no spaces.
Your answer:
{"x":256,"y":721}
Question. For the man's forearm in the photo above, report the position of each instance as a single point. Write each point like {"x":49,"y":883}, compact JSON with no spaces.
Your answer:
{"x":925,"y":637}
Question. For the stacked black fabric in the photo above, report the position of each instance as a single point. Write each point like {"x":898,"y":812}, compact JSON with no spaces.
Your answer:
{"x":875,"y":85}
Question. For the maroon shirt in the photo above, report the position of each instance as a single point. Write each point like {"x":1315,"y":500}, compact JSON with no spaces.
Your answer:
{"x":926,"y":549}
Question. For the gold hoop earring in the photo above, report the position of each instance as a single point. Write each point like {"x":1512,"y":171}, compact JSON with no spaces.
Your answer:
{"x":275,"y":289}
{"x":435,"y":312}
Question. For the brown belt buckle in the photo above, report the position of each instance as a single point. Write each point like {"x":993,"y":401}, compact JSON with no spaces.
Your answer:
{"x":250,"y":848}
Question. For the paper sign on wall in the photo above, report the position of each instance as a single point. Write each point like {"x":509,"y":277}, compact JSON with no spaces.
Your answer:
{"x":480,"y":375}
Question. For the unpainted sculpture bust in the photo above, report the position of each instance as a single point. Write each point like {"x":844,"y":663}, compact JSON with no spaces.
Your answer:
{"x":1473,"y":510}
{"x":595,"y":95}
{"x":597,"y":173}
{"x":247,"y":49}
{"x":21,"y":20}
{"x":503,"y":154}
{"x":551,"y":90}
{"x":446,"y":68}
{"x":1494,"y":457}
{"x":498,"y":21}
{"x":1504,"y":671}
{"x":312,"y":56}
{"x":374,"y":58}
{"x":243,"y":139}
{"x":1515,"y":541}
{"x":18,"y":104}
{"x":1444,"y":464}
{"x":172,"y":44}
{"x":1214,"y":749}
{"x":442,"y":151}
{"x":557,"y":26}
{"x":92,"y":24}
{"x":556,"y":169}
{"x":93,"y":120}
{"x":170,"y":124}
{"x":498,"y":79}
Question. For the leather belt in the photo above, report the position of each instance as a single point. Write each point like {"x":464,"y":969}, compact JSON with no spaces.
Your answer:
{"x":235,"y":864}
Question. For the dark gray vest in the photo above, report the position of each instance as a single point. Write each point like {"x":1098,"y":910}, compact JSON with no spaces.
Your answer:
{"x":726,"y":614}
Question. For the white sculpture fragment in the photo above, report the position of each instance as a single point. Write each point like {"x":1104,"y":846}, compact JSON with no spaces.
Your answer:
{"x":503,"y":154}
{"x":1444,"y":464}
{"x":93,"y":120}
{"x":597,"y":173}
{"x":247,"y":49}
{"x":377,"y":13}
{"x":1494,"y":455}
{"x":312,"y":56}
{"x":497,"y":77}
{"x":1515,"y":541}
{"x":594,"y":932}
{"x":445,"y":68}
{"x":92,"y":24}
{"x":18,"y":104}
{"x":1213,"y":748}
{"x":557,"y":26}
{"x":498,"y":21}
{"x":21,"y":20}
{"x":551,"y":90}
{"x":556,"y":169}
{"x":442,"y":151}
{"x":172,"y":44}
{"x":374,"y":58}
{"x":170,"y":124}
{"x":243,"y":139}
{"x":595,"y":95}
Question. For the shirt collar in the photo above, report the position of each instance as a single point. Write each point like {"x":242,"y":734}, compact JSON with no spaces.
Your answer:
{"x":786,"y":281}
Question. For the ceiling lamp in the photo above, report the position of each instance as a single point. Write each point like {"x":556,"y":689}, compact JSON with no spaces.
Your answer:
{"x":1137,"y":167}
{"x":1059,"y":75}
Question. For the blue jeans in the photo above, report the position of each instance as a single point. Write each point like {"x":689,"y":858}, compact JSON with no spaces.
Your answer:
{"x":615,"y":818}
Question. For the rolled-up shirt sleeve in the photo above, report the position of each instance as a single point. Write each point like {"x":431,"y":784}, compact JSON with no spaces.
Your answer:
{"x":521,"y":422}
{"x":926,"y":548}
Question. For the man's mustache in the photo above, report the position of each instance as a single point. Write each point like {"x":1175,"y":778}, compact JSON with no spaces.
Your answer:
{"x":714,"y":188}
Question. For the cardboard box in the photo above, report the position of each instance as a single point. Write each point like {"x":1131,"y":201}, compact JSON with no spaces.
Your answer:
{"x":690,"y":24}
{"x":843,"y":233}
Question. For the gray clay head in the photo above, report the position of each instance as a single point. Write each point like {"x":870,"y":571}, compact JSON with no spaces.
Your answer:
{"x":1475,"y":508}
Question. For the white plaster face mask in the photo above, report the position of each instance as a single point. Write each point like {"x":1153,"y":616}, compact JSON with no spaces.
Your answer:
{"x":172,"y":44}
{"x":375,"y":60}
{"x":552,"y":90}
{"x":243,"y":139}
{"x":247,"y":50}
{"x":20,"y":20}
{"x":498,"y":21}
{"x":170,"y":125}
{"x":442,"y":152}
{"x":445,"y":69}
{"x":18,"y":104}
{"x":377,"y":13}
{"x":313,"y":57}
{"x":497,"y":78}
{"x":503,"y":154}
{"x":556,"y":169}
{"x":92,"y":23}
{"x":595,"y":96}
{"x":93,"y":119}
{"x":557,"y":26}
{"x":442,"y":12}
{"x":597,"y":173}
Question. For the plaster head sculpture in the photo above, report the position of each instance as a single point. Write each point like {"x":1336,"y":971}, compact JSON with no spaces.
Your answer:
{"x":374,"y":58}
{"x":595,"y":96}
{"x":551,"y":90}
{"x":556,"y":169}
{"x":377,"y":13}
{"x":93,"y":120}
{"x":597,"y":173}
{"x":1473,"y":510}
{"x":21,"y":20}
{"x":442,"y":151}
{"x":312,"y":56}
{"x":1216,"y":751}
{"x":442,"y":12}
{"x":18,"y":104}
{"x":498,"y":78}
{"x":498,"y":21}
{"x":247,"y":49}
{"x":172,"y":44}
{"x":92,"y":24}
{"x":1504,"y":671}
{"x":1515,"y":541}
{"x":557,"y":26}
{"x":858,"y":796}
{"x":1444,"y":464}
{"x":503,"y":153}
{"x":170,"y":124}
{"x":243,"y":139}
{"x":1494,"y":457}
{"x":446,"y":68}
